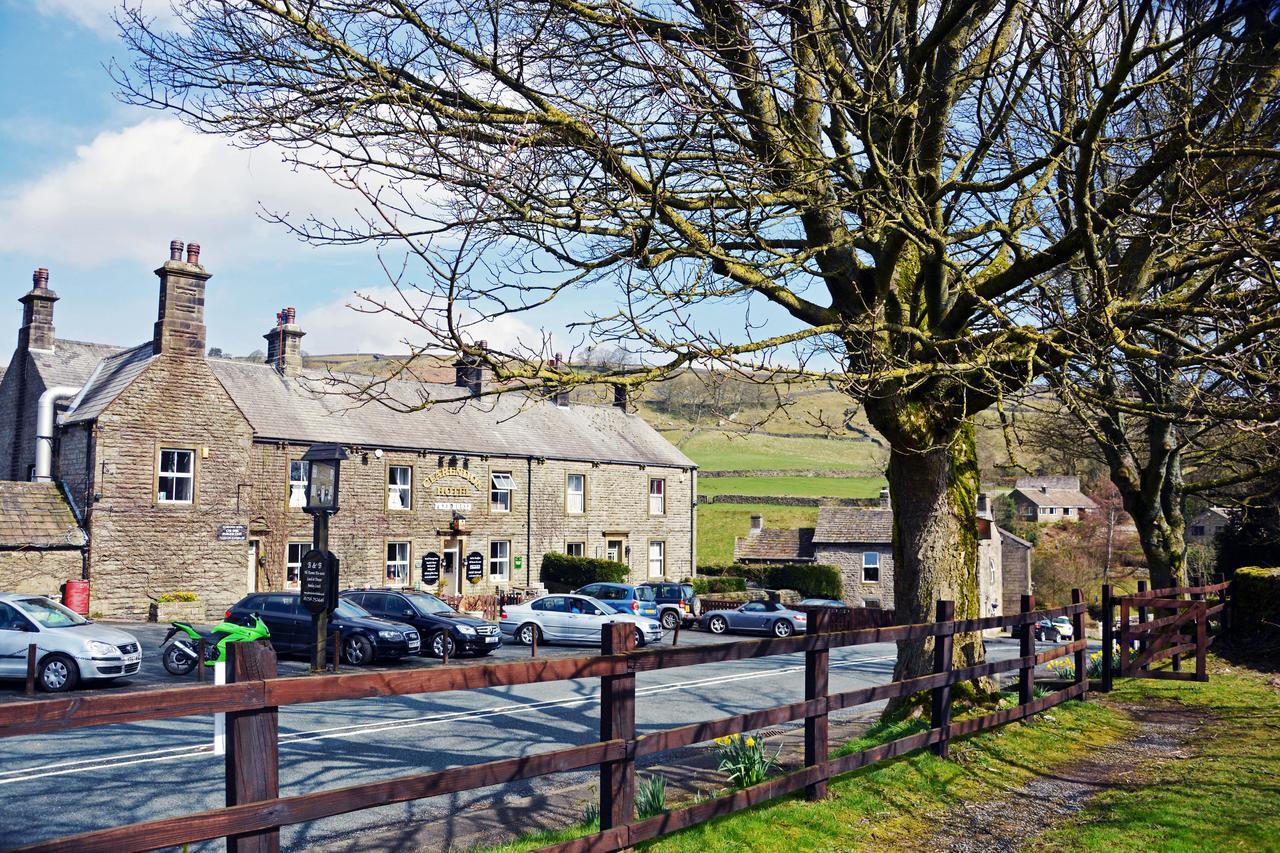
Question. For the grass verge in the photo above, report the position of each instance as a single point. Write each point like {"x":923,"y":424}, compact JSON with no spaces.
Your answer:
{"x":720,"y":524}
{"x":805,"y":487}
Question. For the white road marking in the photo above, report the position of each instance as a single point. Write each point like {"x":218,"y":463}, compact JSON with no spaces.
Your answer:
{"x":288,"y":738}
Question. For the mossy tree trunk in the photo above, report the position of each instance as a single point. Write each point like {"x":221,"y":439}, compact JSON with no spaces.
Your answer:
{"x":933,"y":483}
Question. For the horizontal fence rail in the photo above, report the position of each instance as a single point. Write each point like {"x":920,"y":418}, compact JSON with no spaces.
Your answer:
{"x":1141,"y":639}
{"x":255,"y":811}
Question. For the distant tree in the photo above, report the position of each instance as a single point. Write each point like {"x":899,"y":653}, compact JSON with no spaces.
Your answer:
{"x":256,"y":355}
{"x":215,"y":352}
{"x":898,"y":190}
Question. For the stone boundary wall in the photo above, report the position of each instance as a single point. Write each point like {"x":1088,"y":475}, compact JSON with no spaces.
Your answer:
{"x":788,"y":500}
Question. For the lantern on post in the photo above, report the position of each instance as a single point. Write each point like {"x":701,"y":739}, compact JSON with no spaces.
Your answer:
{"x":324,"y":462}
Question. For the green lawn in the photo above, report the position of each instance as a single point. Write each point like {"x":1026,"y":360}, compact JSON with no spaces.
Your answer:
{"x":719,"y":524}
{"x":808,"y":487}
{"x":717,"y":451}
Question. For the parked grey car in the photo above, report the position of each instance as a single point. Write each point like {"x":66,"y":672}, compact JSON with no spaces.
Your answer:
{"x":569,"y":619}
{"x":756,"y":617}
{"x":69,"y":647}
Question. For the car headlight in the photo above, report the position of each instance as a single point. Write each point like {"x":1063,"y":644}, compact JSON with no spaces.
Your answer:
{"x":100,"y":649}
{"x":466,"y":629}
{"x":391,"y":635}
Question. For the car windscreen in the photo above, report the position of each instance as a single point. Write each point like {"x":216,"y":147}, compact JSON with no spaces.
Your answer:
{"x":645,"y":593}
{"x":49,"y":613}
{"x":428,"y":604}
{"x":350,"y":609}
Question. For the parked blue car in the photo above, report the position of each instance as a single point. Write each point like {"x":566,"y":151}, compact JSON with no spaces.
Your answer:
{"x":624,"y":598}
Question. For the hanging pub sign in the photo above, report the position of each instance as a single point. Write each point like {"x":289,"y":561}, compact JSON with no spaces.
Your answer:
{"x":475,"y":567}
{"x":318,"y":581}
{"x":431,"y":568}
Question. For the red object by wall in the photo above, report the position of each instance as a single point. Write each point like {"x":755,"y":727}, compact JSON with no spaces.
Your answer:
{"x":75,"y":595}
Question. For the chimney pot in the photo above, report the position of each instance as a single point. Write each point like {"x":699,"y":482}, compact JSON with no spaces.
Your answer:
{"x":757,"y":524}
{"x":40,"y":278}
{"x":193,"y":253}
{"x":175,"y":250}
{"x":884,"y":498}
{"x":620,"y":394}
{"x":290,"y":314}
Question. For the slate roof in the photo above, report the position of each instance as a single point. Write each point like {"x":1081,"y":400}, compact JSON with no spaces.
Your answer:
{"x":1220,"y":512}
{"x":1055,"y":497}
{"x":838,"y":525}
{"x":781,"y":544}
{"x":312,"y":410}
{"x":112,"y":375}
{"x":36,"y":515}
{"x":71,"y":362}
{"x":1005,"y":534}
{"x":1050,"y":481}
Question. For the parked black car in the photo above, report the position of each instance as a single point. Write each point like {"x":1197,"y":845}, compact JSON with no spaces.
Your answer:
{"x":676,"y":602}
{"x":440,"y":625}
{"x":364,"y":637}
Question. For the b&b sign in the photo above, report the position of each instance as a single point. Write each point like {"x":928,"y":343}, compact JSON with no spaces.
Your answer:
{"x":318,"y":581}
{"x":431,"y":568}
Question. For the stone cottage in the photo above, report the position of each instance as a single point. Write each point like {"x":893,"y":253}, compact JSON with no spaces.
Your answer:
{"x":186,"y":471}
{"x":1050,"y":499}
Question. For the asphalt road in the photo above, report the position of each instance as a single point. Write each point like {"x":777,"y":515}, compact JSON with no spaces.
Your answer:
{"x":106,"y":776}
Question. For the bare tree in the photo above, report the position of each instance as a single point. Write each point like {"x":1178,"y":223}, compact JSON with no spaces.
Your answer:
{"x":880,"y":192}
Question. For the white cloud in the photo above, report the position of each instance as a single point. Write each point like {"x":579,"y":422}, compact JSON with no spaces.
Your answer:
{"x":128,"y":192}
{"x":96,"y":14}
{"x":340,"y":327}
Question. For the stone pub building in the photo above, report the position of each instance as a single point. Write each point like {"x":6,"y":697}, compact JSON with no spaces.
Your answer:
{"x":183,"y":472}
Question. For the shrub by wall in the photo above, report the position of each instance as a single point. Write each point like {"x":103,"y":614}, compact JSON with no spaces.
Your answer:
{"x":1255,"y":600}
{"x":562,"y":573}
{"x":811,"y":580}
{"x":703,"y":586}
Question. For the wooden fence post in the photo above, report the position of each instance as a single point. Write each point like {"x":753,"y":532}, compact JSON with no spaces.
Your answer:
{"x":1027,"y":648}
{"x":252,"y":764}
{"x":33,"y":652}
{"x":1202,"y":636}
{"x":816,"y":748}
{"x":1082,"y":656}
{"x":942,"y":648}
{"x":1142,"y":619}
{"x":618,"y":722}
{"x":1108,"y":637}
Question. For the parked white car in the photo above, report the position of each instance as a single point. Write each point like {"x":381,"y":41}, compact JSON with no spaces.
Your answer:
{"x":1058,"y":628}
{"x":69,"y":647}
{"x":569,"y":619}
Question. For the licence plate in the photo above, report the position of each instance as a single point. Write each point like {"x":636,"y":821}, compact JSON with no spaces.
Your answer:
{"x":134,"y":658}
{"x":491,"y":639}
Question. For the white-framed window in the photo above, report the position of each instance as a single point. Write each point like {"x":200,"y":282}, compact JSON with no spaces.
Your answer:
{"x":575,"y":549}
{"x":177,"y":476}
{"x":613,"y":550}
{"x":1197,"y":530}
{"x":575,"y":494}
{"x":657,"y":496}
{"x":1053,"y":510}
{"x":501,"y":485}
{"x":397,"y":563}
{"x":1066,"y":510}
{"x":293,"y":563}
{"x":871,"y":567}
{"x":297,"y":484}
{"x":657,"y":558}
{"x":499,"y":560}
{"x":399,"y":487}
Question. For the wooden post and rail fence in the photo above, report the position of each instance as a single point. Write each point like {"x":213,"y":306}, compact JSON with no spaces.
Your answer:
{"x":251,"y":699}
{"x":1142,"y":638}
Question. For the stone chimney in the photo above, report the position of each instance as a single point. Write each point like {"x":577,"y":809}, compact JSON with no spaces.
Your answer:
{"x":37,"y":314}
{"x":884,"y":498}
{"x":984,"y":504}
{"x":757,"y":524}
{"x":561,"y":395}
{"x":621,"y":393}
{"x":469,"y":372}
{"x":179,"y":328}
{"x":284,"y":343}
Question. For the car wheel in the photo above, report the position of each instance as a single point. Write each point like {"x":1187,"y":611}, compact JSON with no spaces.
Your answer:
{"x":57,"y":673}
{"x":639,"y":639}
{"x":176,"y":661}
{"x":357,"y":650}
{"x":440,"y":643}
{"x":670,"y":620}
{"x":717,"y":625}
{"x":783,"y":628}
{"x":527,"y":633}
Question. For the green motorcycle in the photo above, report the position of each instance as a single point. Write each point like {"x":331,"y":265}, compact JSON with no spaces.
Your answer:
{"x":181,"y":655}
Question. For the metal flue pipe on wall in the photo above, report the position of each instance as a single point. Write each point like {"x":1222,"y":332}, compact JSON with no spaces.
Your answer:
{"x":44,"y":428}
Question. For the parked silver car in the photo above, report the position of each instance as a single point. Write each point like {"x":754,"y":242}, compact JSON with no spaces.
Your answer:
{"x":69,"y":647}
{"x":569,"y":619}
{"x":756,"y":617}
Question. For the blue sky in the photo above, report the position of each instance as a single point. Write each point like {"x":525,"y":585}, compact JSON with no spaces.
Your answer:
{"x":95,"y":190}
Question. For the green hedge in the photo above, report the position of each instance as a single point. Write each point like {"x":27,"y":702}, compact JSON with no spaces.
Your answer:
{"x":811,"y":580}
{"x":562,"y":573}
{"x":703,"y":586}
{"x":1255,"y":600}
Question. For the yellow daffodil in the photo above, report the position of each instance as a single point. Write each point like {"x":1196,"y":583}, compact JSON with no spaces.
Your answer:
{"x":751,"y":741}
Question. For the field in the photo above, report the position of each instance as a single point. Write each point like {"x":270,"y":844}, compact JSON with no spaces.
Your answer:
{"x":716,"y":450}
{"x":719,"y":524}
{"x":808,"y":487}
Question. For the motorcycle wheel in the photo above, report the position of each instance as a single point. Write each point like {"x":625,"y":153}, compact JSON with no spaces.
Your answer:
{"x":176,"y":661}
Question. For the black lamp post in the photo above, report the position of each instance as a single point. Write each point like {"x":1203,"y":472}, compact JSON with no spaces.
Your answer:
{"x":324,"y":462}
